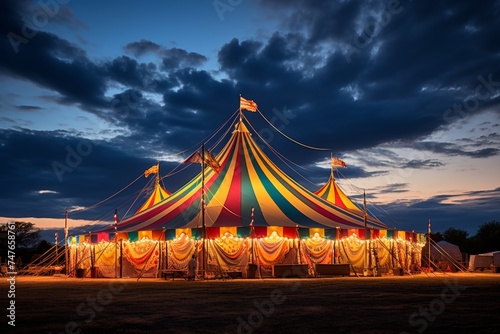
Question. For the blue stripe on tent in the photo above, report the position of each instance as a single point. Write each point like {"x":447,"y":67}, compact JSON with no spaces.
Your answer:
{"x":170,"y":234}
{"x":330,"y":233}
{"x":133,"y":236}
{"x":243,"y":232}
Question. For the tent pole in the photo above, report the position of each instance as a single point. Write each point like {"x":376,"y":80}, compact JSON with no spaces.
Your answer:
{"x":121,"y":258}
{"x":429,"y":242}
{"x":367,"y":240}
{"x":203,"y":209}
{"x":66,"y":248}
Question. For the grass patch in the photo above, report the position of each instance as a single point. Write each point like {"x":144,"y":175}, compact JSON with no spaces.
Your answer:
{"x":341,"y":305}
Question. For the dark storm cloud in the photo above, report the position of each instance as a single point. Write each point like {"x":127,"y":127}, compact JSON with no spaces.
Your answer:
{"x":75,"y":171}
{"x":143,"y":47}
{"x":28,"y":108}
{"x":451,"y":149}
{"x":46,"y":59}
{"x":172,"y":58}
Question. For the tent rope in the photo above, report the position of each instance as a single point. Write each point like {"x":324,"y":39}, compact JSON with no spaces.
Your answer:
{"x":292,"y":140}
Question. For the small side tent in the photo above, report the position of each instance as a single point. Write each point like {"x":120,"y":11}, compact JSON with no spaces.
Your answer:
{"x":445,"y":255}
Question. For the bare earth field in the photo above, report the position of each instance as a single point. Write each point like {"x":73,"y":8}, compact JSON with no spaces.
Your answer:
{"x":441,"y":303}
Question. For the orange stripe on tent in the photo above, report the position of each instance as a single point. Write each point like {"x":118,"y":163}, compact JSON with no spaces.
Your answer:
{"x":121,"y":235}
{"x":277,"y":229}
{"x":228,"y":229}
{"x":158,"y":235}
{"x":320,"y":231}
{"x":145,"y":234}
{"x":179,"y":231}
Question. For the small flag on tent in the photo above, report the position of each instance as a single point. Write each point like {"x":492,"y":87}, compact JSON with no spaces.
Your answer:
{"x":248,"y":105}
{"x":208,"y":158}
{"x":338,"y":162}
{"x":151,"y":170}
{"x":193,"y":158}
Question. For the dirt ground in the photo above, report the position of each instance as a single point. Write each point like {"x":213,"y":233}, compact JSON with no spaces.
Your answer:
{"x":438,"y":303}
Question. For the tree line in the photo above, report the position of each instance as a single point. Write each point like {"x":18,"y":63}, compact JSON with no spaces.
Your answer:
{"x":487,"y":238}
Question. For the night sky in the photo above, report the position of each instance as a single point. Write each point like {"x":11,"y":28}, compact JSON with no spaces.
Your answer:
{"x":405,"y":92}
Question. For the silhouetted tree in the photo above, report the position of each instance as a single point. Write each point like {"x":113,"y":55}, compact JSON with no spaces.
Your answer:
{"x":26,"y":234}
{"x":487,"y":238}
{"x":458,"y":237}
{"x":437,"y":237}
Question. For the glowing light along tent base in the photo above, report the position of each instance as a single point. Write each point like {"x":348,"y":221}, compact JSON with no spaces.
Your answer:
{"x":254,"y":214}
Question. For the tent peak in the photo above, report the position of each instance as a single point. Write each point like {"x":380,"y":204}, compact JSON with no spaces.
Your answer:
{"x":241,"y":127}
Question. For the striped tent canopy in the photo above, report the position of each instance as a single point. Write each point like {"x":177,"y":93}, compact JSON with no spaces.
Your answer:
{"x":158,"y":195}
{"x":331,"y":192}
{"x":247,"y":179}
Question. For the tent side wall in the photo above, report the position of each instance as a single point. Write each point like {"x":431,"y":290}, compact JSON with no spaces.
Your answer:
{"x":229,"y":251}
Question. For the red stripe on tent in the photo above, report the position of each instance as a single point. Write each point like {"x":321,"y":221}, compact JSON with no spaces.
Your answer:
{"x":290,"y":232}
{"x":213,"y":232}
{"x":260,"y":231}
{"x":231,"y":213}
{"x":361,"y":233}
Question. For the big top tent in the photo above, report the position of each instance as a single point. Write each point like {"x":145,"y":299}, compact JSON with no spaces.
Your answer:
{"x":242,"y":210}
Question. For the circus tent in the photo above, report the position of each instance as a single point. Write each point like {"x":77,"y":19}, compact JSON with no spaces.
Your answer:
{"x":247,"y":179}
{"x":242,"y":209}
{"x":331,"y":192}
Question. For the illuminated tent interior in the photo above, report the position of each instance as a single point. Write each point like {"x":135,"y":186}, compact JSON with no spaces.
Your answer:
{"x":254,"y":214}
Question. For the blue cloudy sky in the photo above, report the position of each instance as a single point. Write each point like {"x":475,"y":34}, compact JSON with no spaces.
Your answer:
{"x":405,"y":92}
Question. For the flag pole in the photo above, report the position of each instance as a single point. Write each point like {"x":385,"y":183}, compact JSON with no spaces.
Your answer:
{"x":158,"y":173}
{"x":204,"y":255}
{"x":241,"y":114}
{"x":429,"y":242}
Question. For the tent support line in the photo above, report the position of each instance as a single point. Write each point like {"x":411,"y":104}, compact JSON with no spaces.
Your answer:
{"x":394,"y":257}
{"x":448,"y":256}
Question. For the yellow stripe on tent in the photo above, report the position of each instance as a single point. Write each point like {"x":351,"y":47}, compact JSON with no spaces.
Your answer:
{"x":319,"y":231}
{"x":402,"y":235}
{"x":382,"y":233}
{"x":186,"y":231}
{"x":145,"y":234}
{"x":228,"y":229}
{"x":277,"y":229}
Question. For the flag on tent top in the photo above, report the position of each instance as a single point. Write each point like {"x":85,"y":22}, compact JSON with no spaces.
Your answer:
{"x":338,"y":162}
{"x":248,"y":105}
{"x":151,"y":170}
